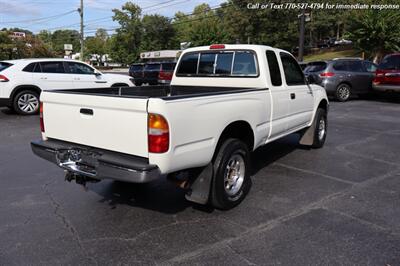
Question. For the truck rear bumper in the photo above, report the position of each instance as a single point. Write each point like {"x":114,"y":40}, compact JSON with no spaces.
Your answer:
{"x":96,"y":163}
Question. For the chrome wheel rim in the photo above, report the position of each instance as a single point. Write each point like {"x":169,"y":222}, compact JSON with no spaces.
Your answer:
{"x":234,"y":174}
{"x":344,"y":92}
{"x":28,"y":103}
{"x":321,"y":129}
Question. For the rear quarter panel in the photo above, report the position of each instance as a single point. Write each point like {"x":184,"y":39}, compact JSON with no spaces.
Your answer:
{"x":197,"y":123}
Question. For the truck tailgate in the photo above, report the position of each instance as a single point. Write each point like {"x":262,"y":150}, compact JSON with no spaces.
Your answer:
{"x":111,"y":123}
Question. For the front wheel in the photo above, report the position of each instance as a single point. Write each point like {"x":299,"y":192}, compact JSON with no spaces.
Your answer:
{"x":26,"y":103}
{"x":231,"y":176}
{"x":321,"y":127}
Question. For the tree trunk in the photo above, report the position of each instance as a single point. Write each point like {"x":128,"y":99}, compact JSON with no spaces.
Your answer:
{"x":378,"y":56}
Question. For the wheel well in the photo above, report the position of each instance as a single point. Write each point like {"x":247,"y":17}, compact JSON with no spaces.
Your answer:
{"x":20,"y":88}
{"x":323,"y":104}
{"x":120,"y":85}
{"x":240,"y":130}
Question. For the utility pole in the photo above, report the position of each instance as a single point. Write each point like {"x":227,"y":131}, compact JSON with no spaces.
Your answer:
{"x":82,"y":36}
{"x":301,"y":39}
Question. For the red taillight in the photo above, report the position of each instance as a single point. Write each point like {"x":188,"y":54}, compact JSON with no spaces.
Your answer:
{"x":158,"y":134}
{"x":326,"y":74}
{"x":41,"y":117}
{"x":3,"y":78}
{"x":164,"y":75}
{"x":217,"y":46}
{"x":379,"y":77}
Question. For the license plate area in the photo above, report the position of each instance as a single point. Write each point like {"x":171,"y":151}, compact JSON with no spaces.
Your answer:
{"x":78,"y":161}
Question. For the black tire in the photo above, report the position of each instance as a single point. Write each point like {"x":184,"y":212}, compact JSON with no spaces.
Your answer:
{"x":26,"y":102}
{"x":343,"y":92}
{"x":230,"y":150}
{"x":321,"y":129}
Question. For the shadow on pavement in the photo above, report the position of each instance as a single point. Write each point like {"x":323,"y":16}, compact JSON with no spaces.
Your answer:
{"x":163,"y":196}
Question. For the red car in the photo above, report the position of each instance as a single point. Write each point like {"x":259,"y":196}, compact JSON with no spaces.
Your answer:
{"x":387,"y":76}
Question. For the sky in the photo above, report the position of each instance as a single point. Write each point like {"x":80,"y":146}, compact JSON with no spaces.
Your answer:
{"x":36,"y":15}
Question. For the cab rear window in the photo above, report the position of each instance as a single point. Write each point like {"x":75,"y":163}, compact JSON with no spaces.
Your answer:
{"x":4,"y":65}
{"x":219,"y":64}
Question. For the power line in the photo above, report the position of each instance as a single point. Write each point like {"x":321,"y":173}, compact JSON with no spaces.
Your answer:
{"x":39,"y":19}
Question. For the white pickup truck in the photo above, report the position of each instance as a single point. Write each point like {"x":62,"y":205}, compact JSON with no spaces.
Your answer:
{"x":224,"y":102}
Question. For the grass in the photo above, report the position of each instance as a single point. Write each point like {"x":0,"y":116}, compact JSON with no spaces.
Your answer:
{"x":331,"y":55}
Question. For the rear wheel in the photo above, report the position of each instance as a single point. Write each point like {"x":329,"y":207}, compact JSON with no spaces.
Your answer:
{"x":26,"y":102}
{"x":231,"y":176}
{"x":343,"y":92}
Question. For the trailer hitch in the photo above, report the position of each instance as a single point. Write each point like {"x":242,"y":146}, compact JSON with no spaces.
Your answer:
{"x":80,"y":179}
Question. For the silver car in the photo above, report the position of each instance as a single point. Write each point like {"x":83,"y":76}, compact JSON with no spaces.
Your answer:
{"x":342,"y":77}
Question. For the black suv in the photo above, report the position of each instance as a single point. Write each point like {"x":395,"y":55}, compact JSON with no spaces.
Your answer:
{"x":136,"y":72}
{"x":158,"y":73}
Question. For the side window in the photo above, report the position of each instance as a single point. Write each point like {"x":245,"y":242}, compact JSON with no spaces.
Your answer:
{"x":370,"y":67}
{"x":29,"y":68}
{"x":340,"y":66}
{"x":224,"y":64}
{"x":292,"y":70}
{"x":78,"y":68}
{"x":52,"y":67}
{"x":355,"y":66}
{"x":244,"y":64}
{"x":38,"y":68}
{"x":206,"y":65}
{"x":274,"y":71}
{"x":188,"y":64}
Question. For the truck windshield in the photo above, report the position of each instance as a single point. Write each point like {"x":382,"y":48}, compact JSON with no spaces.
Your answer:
{"x":4,"y":65}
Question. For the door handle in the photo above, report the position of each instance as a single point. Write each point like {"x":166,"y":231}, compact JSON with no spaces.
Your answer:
{"x":77,"y":79}
{"x":43,"y":78}
{"x":86,"y":111}
{"x":292,"y":96}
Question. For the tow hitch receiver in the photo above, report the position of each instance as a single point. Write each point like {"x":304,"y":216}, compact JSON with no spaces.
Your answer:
{"x":78,"y":165}
{"x":79,"y":179}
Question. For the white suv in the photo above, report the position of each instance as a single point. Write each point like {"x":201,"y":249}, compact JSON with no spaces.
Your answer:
{"x":21,"y":81}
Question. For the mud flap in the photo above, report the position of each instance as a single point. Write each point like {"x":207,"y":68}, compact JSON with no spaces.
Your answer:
{"x":199,"y":191}
{"x":308,"y":136}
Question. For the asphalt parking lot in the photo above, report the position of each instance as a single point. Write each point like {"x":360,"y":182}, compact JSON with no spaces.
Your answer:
{"x":337,"y":205}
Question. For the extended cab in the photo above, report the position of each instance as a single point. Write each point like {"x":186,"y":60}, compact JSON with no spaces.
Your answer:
{"x":224,"y":102}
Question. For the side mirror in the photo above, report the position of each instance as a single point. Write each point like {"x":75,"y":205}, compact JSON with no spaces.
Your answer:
{"x":97,"y":74}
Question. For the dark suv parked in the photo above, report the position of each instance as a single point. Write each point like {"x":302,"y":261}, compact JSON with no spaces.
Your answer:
{"x":387,"y":76}
{"x":342,"y":77}
{"x":158,"y":73}
{"x":136,"y":72}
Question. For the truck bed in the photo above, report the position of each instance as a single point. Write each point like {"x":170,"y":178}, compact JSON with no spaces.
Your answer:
{"x":165,"y":92}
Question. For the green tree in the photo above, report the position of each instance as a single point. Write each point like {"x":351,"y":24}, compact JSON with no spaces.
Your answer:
{"x":158,"y":33}
{"x":375,"y":32}
{"x":125,"y":44}
{"x":6,"y":46}
{"x":97,"y":45}
{"x":202,"y":27}
{"x":61,"y":37}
